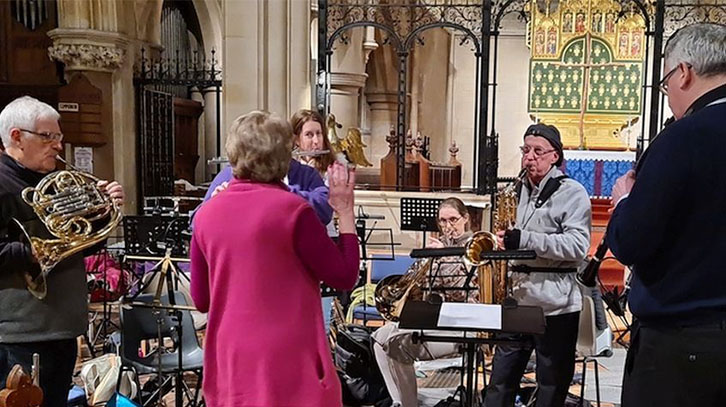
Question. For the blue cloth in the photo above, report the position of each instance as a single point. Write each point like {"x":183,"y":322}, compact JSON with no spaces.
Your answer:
{"x":302,"y":180}
{"x":671,"y":227}
{"x":119,"y":400}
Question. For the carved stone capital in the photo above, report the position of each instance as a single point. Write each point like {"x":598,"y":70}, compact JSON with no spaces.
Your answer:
{"x":348,"y":80}
{"x":88,"y":50}
{"x":387,"y":101}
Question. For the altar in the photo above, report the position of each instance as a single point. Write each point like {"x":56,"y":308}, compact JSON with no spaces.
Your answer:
{"x":597,"y":171}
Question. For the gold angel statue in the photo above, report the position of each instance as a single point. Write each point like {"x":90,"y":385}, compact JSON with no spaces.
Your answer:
{"x":351,"y":147}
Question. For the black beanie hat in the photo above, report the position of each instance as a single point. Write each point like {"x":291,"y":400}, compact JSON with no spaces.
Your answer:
{"x":551,"y":134}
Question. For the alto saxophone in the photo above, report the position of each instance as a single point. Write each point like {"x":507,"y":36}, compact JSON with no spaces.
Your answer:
{"x":505,"y":216}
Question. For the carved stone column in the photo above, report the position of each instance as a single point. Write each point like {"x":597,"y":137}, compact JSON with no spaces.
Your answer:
{"x":348,"y":76}
{"x":267,"y":62}
{"x":103,"y":58}
{"x":88,"y":50}
{"x":344,"y":96}
{"x":383,"y":110}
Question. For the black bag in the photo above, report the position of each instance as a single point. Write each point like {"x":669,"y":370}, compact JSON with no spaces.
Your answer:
{"x":358,"y":372}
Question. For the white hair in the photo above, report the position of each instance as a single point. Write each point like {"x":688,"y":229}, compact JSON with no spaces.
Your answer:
{"x":23,"y":113}
{"x":702,"y":45}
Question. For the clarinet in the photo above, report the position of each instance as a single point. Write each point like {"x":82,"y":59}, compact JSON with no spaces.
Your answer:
{"x":588,"y":276}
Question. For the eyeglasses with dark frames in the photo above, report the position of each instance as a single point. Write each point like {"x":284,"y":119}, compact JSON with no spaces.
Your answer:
{"x":46,"y":136}
{"x":663,"y":84}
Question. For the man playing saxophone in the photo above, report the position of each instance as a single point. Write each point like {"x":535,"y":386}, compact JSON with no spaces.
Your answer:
{"x":394,"y":348}
{"x":553,"y":219}
{"x":32,"y":139}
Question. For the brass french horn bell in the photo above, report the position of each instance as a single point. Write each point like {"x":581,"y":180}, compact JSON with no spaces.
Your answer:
{"x":70,"y":205}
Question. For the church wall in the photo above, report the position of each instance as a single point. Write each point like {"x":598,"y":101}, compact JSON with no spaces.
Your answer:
{"x":460,"y":105}
{"x":511,"y":117}
{"x":381,"y":95}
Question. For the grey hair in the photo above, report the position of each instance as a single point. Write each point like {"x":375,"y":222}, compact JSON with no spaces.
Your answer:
{"x":23,"y":113}
{"x":702,"y":45}
{"x":259,"y":147}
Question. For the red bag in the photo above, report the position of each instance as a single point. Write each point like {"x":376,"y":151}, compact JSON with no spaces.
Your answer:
{"x":106,"y":279}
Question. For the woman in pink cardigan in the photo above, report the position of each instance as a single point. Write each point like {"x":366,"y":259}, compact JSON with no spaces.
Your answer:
{"x":258,"y":254}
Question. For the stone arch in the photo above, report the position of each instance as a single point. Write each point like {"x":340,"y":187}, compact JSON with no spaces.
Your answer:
{"x":209,"y":14}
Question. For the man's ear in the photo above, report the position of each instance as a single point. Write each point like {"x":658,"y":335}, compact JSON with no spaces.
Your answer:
{"x":686,"y":76}
{"x":556,"y":157}
{"x":15,"y":136}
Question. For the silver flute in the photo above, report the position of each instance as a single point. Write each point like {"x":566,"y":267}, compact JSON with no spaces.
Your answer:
{"x":295,"y":154}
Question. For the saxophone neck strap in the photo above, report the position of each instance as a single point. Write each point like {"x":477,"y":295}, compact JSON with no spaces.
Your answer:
{"x":552,"y":185}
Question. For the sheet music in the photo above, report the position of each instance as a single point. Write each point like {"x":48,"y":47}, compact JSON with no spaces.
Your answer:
{"x":463,"y":315}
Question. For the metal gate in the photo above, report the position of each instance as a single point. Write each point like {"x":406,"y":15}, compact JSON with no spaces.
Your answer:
{"x":155,"y":144}
{"x":158,"y":82}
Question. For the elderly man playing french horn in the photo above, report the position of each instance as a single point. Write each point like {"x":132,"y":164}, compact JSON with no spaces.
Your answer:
{"x":32,"y":139}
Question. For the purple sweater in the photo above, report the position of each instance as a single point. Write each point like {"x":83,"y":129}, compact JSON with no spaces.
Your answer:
{"x":257,"y":255}
{"x":302,"y":180}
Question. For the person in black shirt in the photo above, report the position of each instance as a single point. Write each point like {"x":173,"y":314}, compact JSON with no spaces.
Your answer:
{"x":669,"y":225}
{"x":31,"y":136}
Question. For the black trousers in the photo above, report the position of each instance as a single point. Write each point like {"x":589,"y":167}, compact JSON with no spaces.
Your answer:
{"x":555,"y":351}
{"x":57,"y":361}
{"x":679,"y":366}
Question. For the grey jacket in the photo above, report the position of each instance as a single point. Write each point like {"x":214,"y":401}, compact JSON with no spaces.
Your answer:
{"x":559,"y":232}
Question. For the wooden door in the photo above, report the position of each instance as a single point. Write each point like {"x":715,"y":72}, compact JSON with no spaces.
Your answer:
{"x":186,"y":151}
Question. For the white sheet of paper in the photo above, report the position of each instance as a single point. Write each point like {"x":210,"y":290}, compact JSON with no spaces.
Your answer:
{"x":463,"y":315}
{"x":83,"y":159}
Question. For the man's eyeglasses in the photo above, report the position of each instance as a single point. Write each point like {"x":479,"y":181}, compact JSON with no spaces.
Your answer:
{"x":663,"y":84}
{"x":451,"y":221}
{"x":46,"y":137}
{"x":538,"y":151}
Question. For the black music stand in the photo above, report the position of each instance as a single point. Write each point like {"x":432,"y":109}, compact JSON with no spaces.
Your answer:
{"x":420,"y":214}
{"x":422,"y":315}
{"x":515,"y":319}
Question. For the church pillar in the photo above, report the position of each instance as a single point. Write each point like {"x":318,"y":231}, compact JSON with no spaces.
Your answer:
{"x":344,"y":97}
{"x":461,"y":102}
{"x":347,"y":77}
{"x":99,"y":40}
{"x":105,"y":59}
{"x":383,"y":110}
{"x":209,"y":129}
{"x":266,"y":63}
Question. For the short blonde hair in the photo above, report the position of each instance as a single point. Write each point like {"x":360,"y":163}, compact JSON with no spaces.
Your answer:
{"x":259,"y":147}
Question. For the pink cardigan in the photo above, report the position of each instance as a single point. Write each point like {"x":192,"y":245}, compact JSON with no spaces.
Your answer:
{"x":258,"y":254}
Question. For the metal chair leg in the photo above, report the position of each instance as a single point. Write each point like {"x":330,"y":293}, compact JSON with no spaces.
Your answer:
{"x":582,"y":386}
{"x":597,"y":383}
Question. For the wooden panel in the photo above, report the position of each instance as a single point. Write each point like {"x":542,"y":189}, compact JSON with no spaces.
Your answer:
{"x":445,"y":177}
{"x":4,"y":57}
{"x":84,"y":126}
{"x":611,"y":271}
{"x":186,"y":152}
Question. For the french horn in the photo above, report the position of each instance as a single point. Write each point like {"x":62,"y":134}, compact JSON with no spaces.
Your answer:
{"x":68,"y":203}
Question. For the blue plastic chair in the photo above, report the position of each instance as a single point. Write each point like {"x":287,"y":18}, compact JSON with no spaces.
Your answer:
{"x":380,"y":269}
